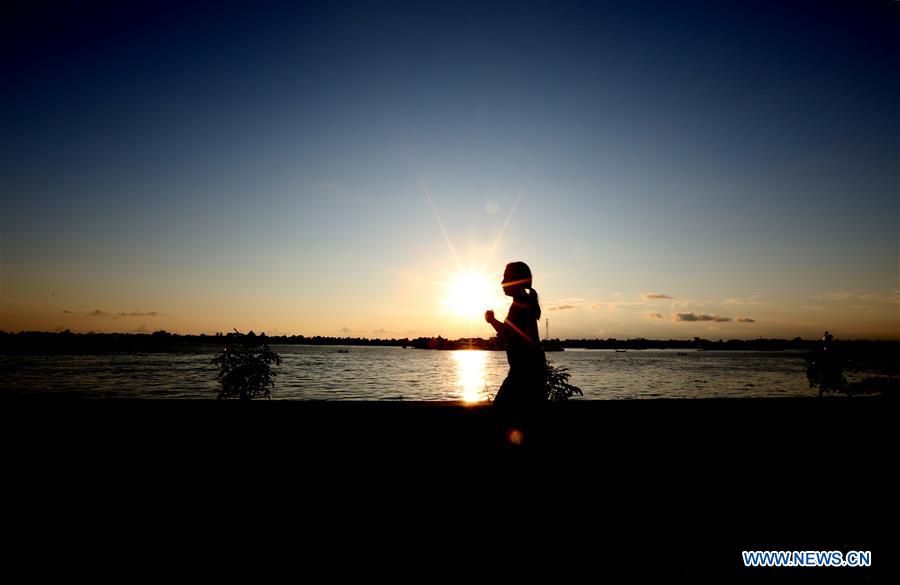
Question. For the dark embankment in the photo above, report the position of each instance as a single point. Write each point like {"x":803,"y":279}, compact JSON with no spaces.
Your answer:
{"x":677,"y":486}
{"x":815,"y":441}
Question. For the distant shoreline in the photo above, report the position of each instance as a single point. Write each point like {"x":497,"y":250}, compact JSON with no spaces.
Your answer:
{"x":33,"y":342}
{"x":386,"y":406}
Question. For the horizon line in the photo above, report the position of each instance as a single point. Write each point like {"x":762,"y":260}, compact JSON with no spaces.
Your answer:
{"x":223,"y":334}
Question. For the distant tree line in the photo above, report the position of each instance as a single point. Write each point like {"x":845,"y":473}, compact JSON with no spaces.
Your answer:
{"x":492,"y":344}
{"x":158,"y":341}
{"x":695,"y":343}
{"x":163,"y":341}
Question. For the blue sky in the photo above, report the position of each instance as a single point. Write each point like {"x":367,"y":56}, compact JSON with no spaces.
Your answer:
{"x":269,"y":166}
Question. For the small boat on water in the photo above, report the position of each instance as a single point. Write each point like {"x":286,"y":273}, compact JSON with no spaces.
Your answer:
{"x":621,"y":350}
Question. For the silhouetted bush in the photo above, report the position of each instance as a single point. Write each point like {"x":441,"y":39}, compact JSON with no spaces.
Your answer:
{"x":826,"y":367}
{"x":245,"y":367}
{"x":826,"y":371}
{"x":557,"y":384}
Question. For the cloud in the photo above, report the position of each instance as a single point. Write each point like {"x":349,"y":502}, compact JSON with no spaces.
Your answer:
{"x":885,"y":297}
{"x":102,"y":313}
{"x":700,"y":317}
{"x":754,"y":300}
{"x":835,"y":296}
{"x":746,"y":320}
{"x":565,"y":304}
{"x":380,"y":331}
{"x":346,"y":329}
{"x":891,"y":297}
{"x":654,"y":296}
{"x":613,"y":305}
{"x":67,"y":312}
{"x":688,"y":304}
{"x":569,"y":300}
{"x":142,"y":328}
{"x":655,"y":316}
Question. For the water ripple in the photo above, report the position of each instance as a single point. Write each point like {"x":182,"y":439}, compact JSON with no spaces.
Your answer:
{"x":391,"y":373}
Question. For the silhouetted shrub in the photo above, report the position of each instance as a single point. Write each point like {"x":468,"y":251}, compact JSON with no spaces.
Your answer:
{"x":557,"y":384}
{"x":245,"y":367}
{"x":826,"y":371}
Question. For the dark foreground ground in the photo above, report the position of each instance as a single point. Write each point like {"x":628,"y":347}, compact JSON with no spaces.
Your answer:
{"x":676,"y":486}
{"x":687,"y":430}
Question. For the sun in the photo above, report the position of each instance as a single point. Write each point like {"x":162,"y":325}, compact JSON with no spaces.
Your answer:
{"x":470,"y":294}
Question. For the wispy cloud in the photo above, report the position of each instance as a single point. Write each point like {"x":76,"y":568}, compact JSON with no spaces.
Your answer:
{"x":700,"y":317}
{"x":655,"y":316}
{"x":655,"y":296}
{"x":746,"y":320}
{"x":888,"y":297}
{"x":613,"y":305}
{"x":835,"y":296}
{"x":754,"y":300}
{"x":569,"y":300}
{"x":565,"y":304}
{"x":104,"y":313}
{"x":142,"y":328}
{"x":688,"y":304}
{"x":884,"y":297}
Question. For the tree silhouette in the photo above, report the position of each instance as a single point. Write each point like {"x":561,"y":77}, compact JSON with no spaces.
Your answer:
{"x":557,"y":384}
{"x":826,"y":367}
{"x":245,"y":370}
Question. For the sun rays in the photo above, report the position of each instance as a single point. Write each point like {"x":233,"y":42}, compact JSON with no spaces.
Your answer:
{"x":437,"y":217}
{"x":465,"y":292}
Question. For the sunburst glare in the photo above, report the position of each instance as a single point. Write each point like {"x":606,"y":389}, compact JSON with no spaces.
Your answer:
{"x":470,"y":294}
{"x":467,"y":294}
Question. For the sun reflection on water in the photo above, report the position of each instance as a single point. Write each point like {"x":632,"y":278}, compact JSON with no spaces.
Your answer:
{"x":471,"y":374}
